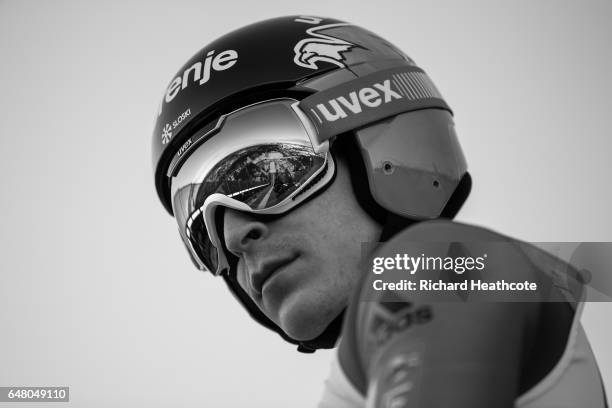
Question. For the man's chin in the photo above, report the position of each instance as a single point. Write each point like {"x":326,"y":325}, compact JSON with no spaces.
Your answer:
{"x":302,"y":332}
{"x":305,"y":326}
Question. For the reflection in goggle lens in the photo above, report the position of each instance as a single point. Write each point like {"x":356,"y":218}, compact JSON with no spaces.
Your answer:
{"x":261,"y":176}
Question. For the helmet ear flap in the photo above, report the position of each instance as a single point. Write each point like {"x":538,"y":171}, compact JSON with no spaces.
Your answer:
{"x":356,"y":148}
{"x":414,"y":163}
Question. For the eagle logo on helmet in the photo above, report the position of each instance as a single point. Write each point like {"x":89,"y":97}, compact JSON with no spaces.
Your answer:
{"x":309,"y":51}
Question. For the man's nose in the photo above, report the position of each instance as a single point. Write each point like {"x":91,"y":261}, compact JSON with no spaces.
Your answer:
{"x":241,"y":230}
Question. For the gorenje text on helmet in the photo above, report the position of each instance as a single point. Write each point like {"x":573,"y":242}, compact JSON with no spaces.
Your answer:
{"x":200,"y":73}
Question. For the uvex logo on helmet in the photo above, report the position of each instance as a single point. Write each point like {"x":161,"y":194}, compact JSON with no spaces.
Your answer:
{"x":309,"y":51}
{"x":355,"y":102}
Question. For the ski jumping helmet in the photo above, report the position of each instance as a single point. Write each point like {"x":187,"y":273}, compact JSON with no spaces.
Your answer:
{"x":248,"y":122}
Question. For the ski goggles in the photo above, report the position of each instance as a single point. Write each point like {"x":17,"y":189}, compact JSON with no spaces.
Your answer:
{"x":401,"y":124}
{"x":236,"y":166}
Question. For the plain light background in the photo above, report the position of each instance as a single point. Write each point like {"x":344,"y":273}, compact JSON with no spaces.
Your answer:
{"x":96,"y":290}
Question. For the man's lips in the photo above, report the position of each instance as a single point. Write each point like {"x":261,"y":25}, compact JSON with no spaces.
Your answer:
{"x":266,"y":269}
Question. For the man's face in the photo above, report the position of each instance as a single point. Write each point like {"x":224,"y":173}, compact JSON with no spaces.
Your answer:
{"x":300,"y":268}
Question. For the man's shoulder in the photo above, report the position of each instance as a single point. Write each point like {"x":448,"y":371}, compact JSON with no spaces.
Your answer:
{"x":375,"y":317}
{"x":441,"y":230}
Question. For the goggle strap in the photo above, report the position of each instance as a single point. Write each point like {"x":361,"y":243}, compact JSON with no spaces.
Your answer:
{"x":370,"y":98}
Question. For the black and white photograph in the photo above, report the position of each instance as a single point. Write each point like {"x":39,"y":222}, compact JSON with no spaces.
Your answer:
{"x":306,"y":204}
